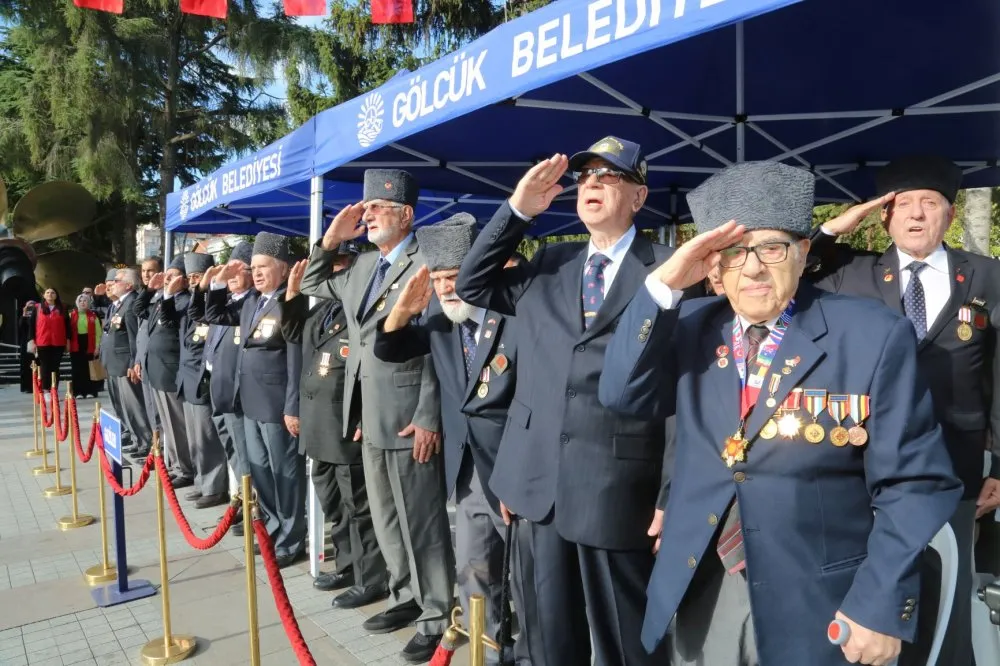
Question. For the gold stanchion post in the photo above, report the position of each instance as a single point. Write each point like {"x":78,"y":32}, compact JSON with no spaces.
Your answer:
{"x":104,"y":572}
{"x":171,"y":648}
{"x":77,"y":519}
{"x":479,"y":641}
{"x":59,"y":489}
{"x":35,"y":451}
{"x":249,"y":506}
{"x":45,"y":467}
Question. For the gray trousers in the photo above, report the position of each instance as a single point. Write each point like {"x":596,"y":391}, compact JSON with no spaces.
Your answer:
{"x":479,"y":549}
{"x":713,"y":625}
{"x":207,"y":454}
{"x":133,"y":412}
{"x":411,"y":524}
{"x":279,"y":476}
{"x":233,"y":436}
{"x":341,"y":492}
{"x":149,"y":400}
{"x":116,"y":405}
{"x":175,"y":442}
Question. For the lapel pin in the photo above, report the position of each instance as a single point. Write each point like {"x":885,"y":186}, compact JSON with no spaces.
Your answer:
{"x":960,"y":278}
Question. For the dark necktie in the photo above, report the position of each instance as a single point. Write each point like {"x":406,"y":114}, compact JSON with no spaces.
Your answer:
{"x":593,"y":287}
{"x":376,"y":286}
{"x":468,"y":328}
{"x":214,"y":334}
{"x":914,"y":303}
{"x":330,"y":314}
{"x":730,"y":544}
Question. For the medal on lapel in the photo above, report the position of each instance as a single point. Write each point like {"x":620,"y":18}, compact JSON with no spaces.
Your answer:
{"x":789,"y":424}
{"x":200,"y":333}
{"x":860,"y":409}
{"x":324,"y":364}
{"x":266,"y":328}
{"x":815,"y":403}
{"x":965,"y":323}
{"x":770,"y":428}
{"x":483,"y":390}
{"x":236,"y":335}
{"x":736,"y":448}
{"x":345,"y":348}
{"x":722,"y":352}
{"x":837,"y":407}
{"x":499,"y":364}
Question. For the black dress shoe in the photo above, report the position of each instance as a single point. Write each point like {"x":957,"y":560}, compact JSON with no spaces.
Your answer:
{"x":193,"y":495}
{"x":395,"y":618}
{"x":421,"y":648}
{"x":334,"y":581}
{"x":180,"y":483}
{"x":208,"y":501}
{"x":236,"y":529}
{"x":140,"y":456}
{"x":288,"y":560}
{"x":358,"y":596}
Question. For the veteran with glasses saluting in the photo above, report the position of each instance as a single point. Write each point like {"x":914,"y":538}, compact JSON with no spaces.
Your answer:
{"x":810,"y":471}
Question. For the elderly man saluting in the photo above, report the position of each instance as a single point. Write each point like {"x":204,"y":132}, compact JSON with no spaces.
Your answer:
{"x":810,"y":471}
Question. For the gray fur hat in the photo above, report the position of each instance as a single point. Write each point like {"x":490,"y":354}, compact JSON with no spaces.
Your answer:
{"x":112,"y":274}
{"x":178,"y":263}
{"x":445,"y":244}
{"x":758,"y":195}
{"x":391,"y":185}
{"x":242,"y":252}
{"x":271,"y":245}
{"x":196,"y":262}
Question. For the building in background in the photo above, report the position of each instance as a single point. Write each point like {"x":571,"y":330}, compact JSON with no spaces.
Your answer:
{"x":149,"y":242}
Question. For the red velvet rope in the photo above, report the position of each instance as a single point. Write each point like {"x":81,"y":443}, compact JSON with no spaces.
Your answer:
{"x":61,"y":418}
{"x":110,"y":476}
{"x":281,"y":596}
{"x":75,"y":423}
{"x":201,"y":544}
{"x":442,"y":656}
{"x":46,"y":415}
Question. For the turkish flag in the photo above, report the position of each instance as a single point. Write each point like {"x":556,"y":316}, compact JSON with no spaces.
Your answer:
{"x":213,"y":8}
{"x":305,"y":7}
{"x":392,"y":11}
{"x":113,"y":6}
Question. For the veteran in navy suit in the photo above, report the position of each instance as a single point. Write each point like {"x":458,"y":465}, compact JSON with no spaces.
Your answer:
{"x":267,"y":373}
{"x":810,"y":472}
{"x":475,"y":356}
{"x":585,"y":478}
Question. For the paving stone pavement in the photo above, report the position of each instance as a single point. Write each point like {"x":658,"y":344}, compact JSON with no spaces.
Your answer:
{"x":48,"y":617}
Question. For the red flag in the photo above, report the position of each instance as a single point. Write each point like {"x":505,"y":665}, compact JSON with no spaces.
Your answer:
{"x":113,"y":6}
{"x":213,"y":8}
{"x":392,"y":11}
{"x":305,"y":7}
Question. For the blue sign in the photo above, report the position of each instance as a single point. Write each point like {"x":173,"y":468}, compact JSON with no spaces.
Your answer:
{"x":111,"y":430}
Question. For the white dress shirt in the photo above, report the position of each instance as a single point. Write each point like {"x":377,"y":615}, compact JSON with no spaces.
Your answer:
{"x":936,"y":280}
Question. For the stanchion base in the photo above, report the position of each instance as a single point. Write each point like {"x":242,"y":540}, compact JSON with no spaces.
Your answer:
{"x":57,"y":492}
{"x":41,"y":469}
{"x":70,"y":523}
{"x":109,"y":595}
{"x":34,"y":453}
{"x":97,"y":574}
{"x":155,"y":653}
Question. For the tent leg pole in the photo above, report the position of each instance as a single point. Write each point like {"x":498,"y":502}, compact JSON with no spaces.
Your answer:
{"x":740,"y":101}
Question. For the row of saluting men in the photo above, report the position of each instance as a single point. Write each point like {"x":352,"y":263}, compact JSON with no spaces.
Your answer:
{"x":805,"y":445}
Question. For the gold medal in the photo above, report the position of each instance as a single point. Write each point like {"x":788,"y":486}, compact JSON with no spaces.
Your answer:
{"x":483,"y":391}
{"x":735,"y":449}
{"x":381,"y":305}
{"x":858,"y":436}
{"x":195,"y":338}
{"x":236,"y":335}
{"x":840,"y":436}
{"x":814,"y":433}
{"x":964,"y":332}
{"x":786,"y":371}
{"x":770,"y":430}
{"x":771,"y":403}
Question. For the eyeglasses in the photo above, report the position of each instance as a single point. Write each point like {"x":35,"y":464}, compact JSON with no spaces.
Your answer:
{"x":380,"y":207}
{"x":605,"y":175}
{"x":767,"y":253}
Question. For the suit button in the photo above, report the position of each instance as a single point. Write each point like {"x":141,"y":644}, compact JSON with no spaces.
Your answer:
{"x":647,"y":323}
{"x":905,"y":617}
{"x":309,"y":373}
{"x":581,"y":348}
{"x":910,"y":602}
{"x":692,"y":563}
{"x":564,"y":438}
{"x":739,"y":477}
{"x":570,"y":393}
{"x":642,"y":337}
{"x":713,"y":519}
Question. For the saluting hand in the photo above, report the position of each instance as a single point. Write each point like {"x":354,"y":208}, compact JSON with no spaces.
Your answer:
{"x":344,"y":227}
{"x":413,"y":300}
{"x":849,"y":220}
{"x":537,"y":188}
{"x":229,"y":271}
{"x":100,"y":289}
{"x":868,"y":647}
{"x":175,"y":285}
{"x":693,"y":261}
{"x":209,"y":275}
{"x":295,"y":279}
{"x":156,"y":282}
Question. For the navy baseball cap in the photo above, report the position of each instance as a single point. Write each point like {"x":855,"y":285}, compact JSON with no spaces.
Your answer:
{"x":620,"y":153}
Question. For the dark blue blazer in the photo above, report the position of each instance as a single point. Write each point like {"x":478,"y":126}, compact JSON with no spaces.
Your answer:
{"x":268,"y":365}
{"x":562,"y":451}
{"x":192,"y":378}
{"x":825,"y":528}
{"x":473,"y":426}
{"x":164,"y":350}
{"x":224,"y":351}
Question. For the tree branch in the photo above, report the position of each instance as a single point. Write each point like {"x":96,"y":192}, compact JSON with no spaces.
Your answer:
{"x":184,"y":137}
{"x":197,"y":52}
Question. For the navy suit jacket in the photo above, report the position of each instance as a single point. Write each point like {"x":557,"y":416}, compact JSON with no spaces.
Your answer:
{"x":473,"y":426}
{"x":164,"y":351}
{"x":192,"y":378}
{"x":224,"y":350}
{"x":825,"y":528}
{"x":562,"y":451}
{"x":121,"y":330}
{"x":268,"y":365}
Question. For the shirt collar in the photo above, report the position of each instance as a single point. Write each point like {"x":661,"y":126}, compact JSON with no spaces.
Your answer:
{"x":477,"y":317}
{"x":936,"y":260}
{"x":398,"y":250}
{"x":617,"y":251}
{"x":746,"y":323}
{"x":239,"y":296}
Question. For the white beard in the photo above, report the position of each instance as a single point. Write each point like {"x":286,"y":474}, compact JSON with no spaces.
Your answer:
{"x":456,"y":310}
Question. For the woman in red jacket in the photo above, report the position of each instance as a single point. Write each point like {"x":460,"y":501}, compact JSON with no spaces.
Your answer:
{"x":49,"y":336}
{"x":84,"y":345}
